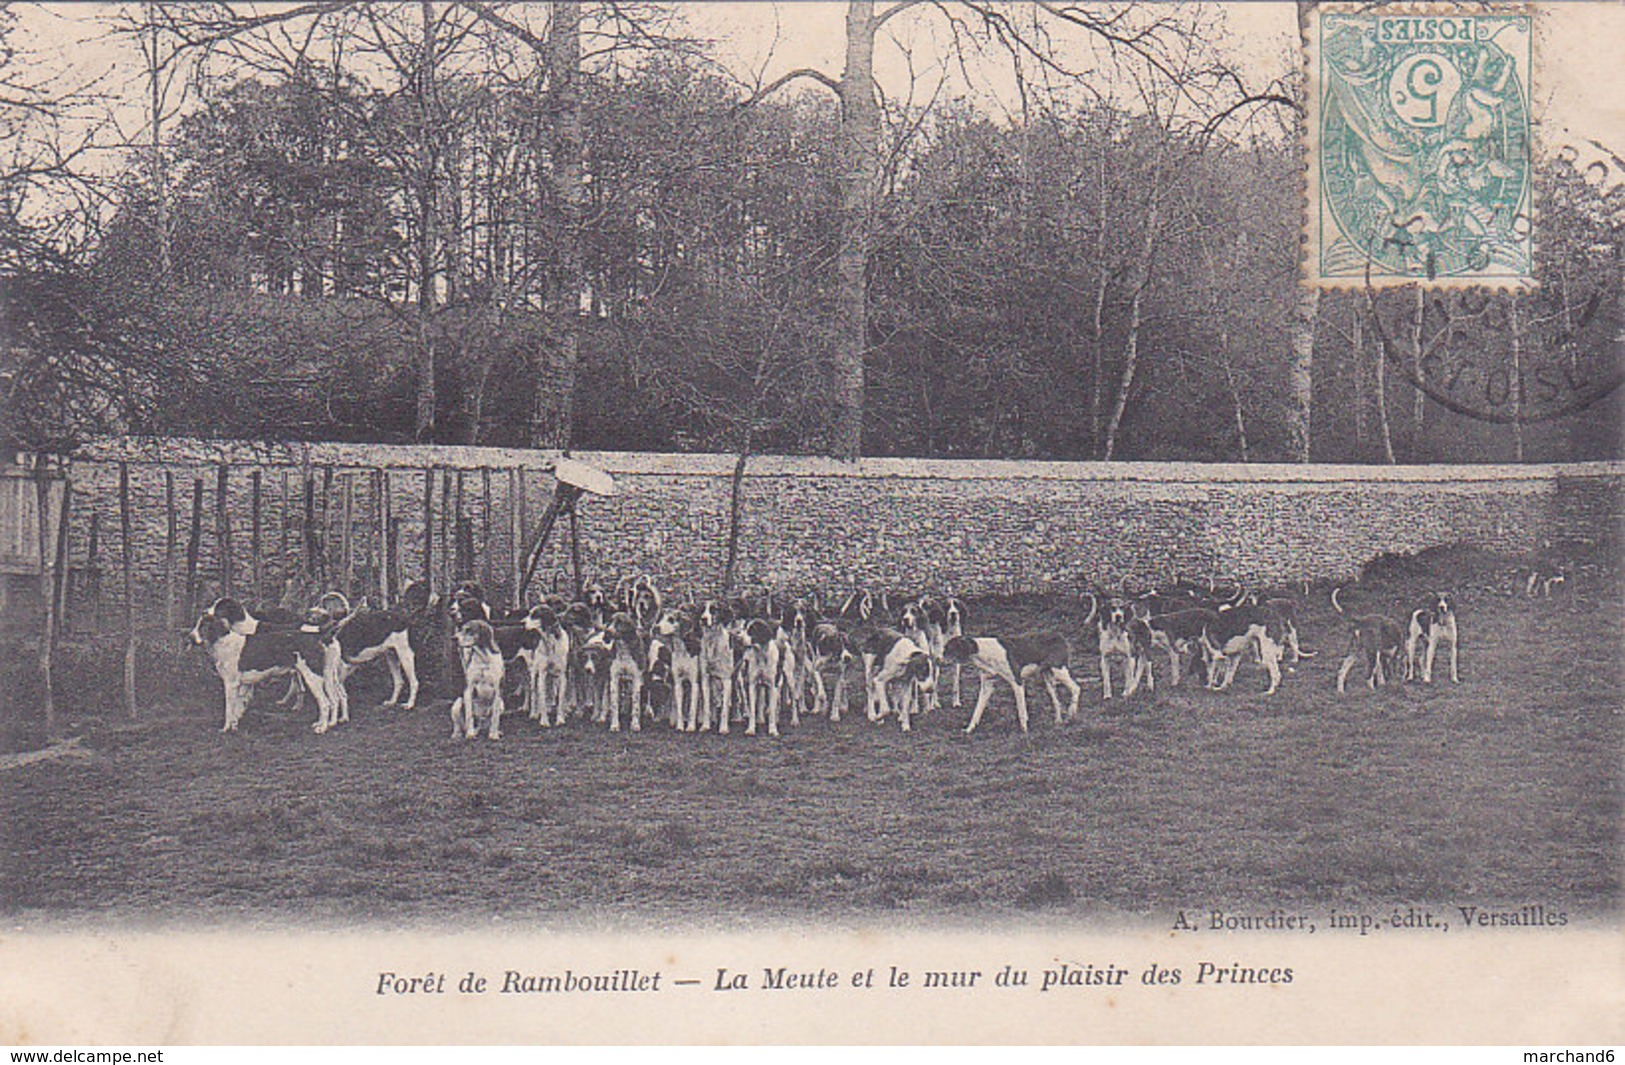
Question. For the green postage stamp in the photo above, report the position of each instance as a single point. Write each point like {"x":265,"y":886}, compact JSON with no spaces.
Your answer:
{"x":1419,"y":146}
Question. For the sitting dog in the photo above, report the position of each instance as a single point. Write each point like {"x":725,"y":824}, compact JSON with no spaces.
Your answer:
{"x":1433,"y":622}
{"x":1013,"y":660}
{"x":243,"y":659}
{"x":481,"y":700}
{"x":1374,"y":639}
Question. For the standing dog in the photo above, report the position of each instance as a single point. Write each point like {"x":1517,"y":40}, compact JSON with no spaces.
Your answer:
{"x":1374,"y":639}
{"x":716,"y":664}
{"x":1434,"y":622}
{"x":620,"y":646}
{"x":242,"y":660}
{"x":890,"y":657}
{"x":481,"y":700}
{"x":549,"y":663}
{"x":1114,"y":641}
{"x":680,"y":633}
{"x":1013,"y":660}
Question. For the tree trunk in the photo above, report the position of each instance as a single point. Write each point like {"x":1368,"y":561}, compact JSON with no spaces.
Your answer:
{"x":423,"y":332}
{"x":1362,"y":388}
{"x":1301,"y":373}
{"x":860,"y":150}
{"x":1235,"y":393}
{"x":1516,"y":328}
{"x":1131,"y":347}
{"x":556,"y":385}
{"x":1418,"y":401}
{"x":1380,"y":385}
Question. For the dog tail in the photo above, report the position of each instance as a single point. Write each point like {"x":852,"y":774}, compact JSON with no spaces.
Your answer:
{"x":1094,"y":608}
{"x":1335,"y":604}
{"x":342,"y":600}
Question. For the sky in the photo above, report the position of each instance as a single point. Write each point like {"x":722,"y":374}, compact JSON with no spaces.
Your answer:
{"x":1579,"y":83}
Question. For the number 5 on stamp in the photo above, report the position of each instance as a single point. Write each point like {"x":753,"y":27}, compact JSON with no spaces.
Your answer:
{"x":1419,"y":147}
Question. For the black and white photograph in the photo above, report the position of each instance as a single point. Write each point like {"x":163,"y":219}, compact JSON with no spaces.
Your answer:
{"x":873,"y":522}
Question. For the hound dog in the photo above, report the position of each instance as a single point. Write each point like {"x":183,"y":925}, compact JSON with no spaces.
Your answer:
{"x":620,"y":648}
{"x":890,"y":657}
{"x":953,"y":624}
{"x":481,"y":701}
{"x":827,"y":644}
{"x":1231,"y":634}
{"x":549,"y":663}
{"x":364,"y":635}
{"x":761,"y":663}
{"x":1432,"y":623}
{"x":679,"y":631}
{"x":915,"y":622}
{"x":243,"y":659}
{"x":517,"y":641}
{"x":1375,"y":640}
{"x":1114,"y":641}
{"x":716,"y":664}
{"x":1013,"y":659}
{"x":1283,"y":613}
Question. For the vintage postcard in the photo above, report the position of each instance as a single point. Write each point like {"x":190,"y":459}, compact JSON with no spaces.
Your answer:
{"x":811,"y":523}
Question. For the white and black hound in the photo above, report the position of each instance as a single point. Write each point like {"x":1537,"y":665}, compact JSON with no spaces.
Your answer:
{"x":679,"y":632}
{"x":549,"y":663}
{"x":243,"y":659}
{"x":1375,"y":639}
{"x":890,"y":657}
{"x":618,"y":649}
{"x":1432,"y":623}
{"x":762,"y":655}
{"x":368,"y":634}
{"x":1115,"y":640}
{"x":1231,"y":633}
{"x":716,"y":664}
{"x":1013,"y":659}
{"x":483,"y":670}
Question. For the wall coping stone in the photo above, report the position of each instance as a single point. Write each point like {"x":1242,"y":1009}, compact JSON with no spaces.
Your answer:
{"x":184,"y":451}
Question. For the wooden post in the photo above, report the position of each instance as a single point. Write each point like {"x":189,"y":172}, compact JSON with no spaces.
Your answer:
{"x":381,"y":494}
{"x":170,"y":545}
{"x":129,"y":587}
{"x":192,"y":544}
{"x":459,"y":531}
{"x":63,"y":555}
{"x":575,"y":549}
{"x":257,"y":591}
{"x":428,"y":529}
{"x":447,"y":533}
{"x":307,"y":568}
{"x":93,"y":573}
{"x":282,"y":537}
{"x":484,"y":554}
{"x":347,"y":515}
{"x":516,"y":561}
{"x":327,"y":526}
{"x":42,"y":495}
{"x":222,"y":527}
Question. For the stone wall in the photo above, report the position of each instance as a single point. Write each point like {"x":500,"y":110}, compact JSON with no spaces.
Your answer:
{"x":967,"y":527}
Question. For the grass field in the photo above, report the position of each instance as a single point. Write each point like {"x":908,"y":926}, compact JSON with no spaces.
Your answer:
{"x":1505,"y":790}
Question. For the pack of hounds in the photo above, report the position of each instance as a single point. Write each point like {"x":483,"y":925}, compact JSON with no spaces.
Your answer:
{"x":629,"y":654}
